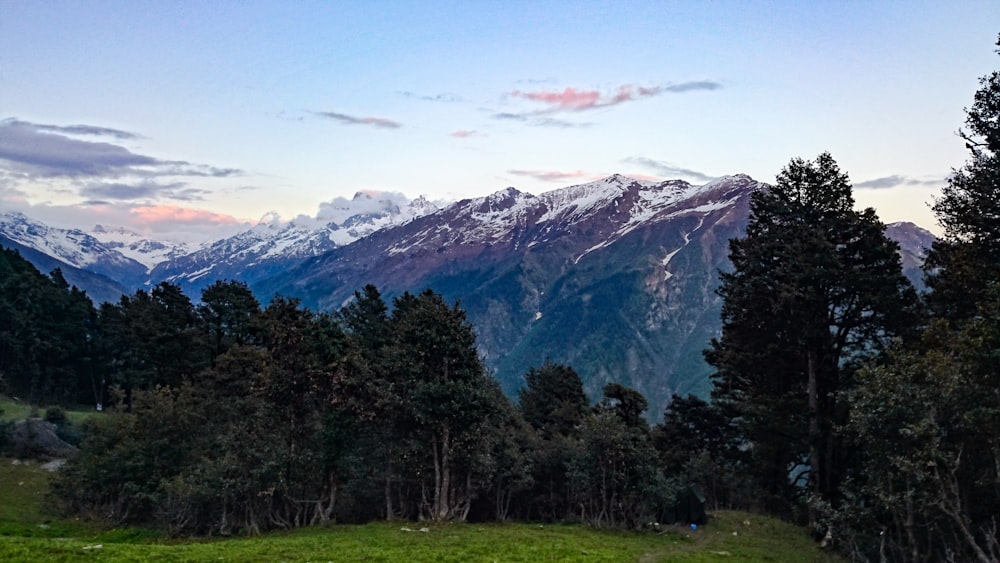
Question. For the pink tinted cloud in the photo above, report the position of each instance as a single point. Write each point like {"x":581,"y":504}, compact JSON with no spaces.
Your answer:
{"x":574,"y":99}
{"x":569,"y":99}
{"x":157,"y":214}
{"x":464,"y":134}
{"x":552,"y":175}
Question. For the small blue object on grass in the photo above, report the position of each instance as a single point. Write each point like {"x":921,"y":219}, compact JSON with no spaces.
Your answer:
{"x":694,"y":526}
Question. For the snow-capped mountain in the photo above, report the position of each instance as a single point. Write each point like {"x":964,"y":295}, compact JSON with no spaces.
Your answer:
{"x":914,"y":242}
{"x":614,"y":277}
{"x":272,"y":246}
{"x":72,"y":247}
{"x":144,"y":250}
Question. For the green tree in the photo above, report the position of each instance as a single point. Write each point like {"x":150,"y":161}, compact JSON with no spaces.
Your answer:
{"x":46,"y":334}
{"x":445,"y":393}
{"x":815,"y":288}
{"x":963,"y":264}
{"x":929,"y":418}
{"x":698,"y":442}
{"x":615,"y":477}
{"x":554,"y":405}
{"x":226,"y":311}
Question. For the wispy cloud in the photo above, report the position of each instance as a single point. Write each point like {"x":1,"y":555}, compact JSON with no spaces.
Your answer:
{"x":466,"y":134}
{"x":575,"y":99}
{"x":45,"y":151}
{"x":552,"y":175}
{"x":444,"y":97}
{"x":90,"y":130}
{"x":666,"y":169}
{"x":380,"y":122}
{"x":145,"y":190}
{"x":693,"y":86}
{"x":558,"y":123}
{"x":510,"y":116}
{"x":896,"y":180}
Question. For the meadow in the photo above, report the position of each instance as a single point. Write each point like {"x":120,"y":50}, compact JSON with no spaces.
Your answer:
{"x":30,"y":530}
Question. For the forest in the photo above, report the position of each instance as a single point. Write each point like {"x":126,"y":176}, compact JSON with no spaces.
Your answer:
{"x":842,"y":398}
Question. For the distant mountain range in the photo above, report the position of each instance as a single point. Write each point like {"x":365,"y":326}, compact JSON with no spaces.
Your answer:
{"x":615,"y":277}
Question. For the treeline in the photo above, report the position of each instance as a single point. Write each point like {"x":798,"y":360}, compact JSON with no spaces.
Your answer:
{"x":298,"y":418}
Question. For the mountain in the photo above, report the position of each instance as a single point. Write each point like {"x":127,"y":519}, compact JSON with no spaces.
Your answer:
{"x":914,"y":242}
{"x":271,"y":246}
{"x":99,"y":288}
{"x":71,"y":247}
{"x":146,"y":251}
{"x":614,"y":277}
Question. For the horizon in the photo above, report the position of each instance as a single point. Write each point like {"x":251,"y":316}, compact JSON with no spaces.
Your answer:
{"x":186,"y":118}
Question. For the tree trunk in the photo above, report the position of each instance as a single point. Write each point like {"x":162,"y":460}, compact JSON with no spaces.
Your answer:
{"x":814,"y":433}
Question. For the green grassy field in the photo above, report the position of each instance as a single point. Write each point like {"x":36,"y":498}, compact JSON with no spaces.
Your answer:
{"x":18,"y":410}
{"x":29,"y":533}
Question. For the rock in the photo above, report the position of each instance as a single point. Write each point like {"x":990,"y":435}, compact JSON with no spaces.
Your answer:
{"x":36,"y":437}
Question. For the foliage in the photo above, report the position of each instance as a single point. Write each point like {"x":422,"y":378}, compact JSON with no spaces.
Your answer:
{"x":614,"y":476}
{"x":928,"y":419}
{"x":963,"y":264}
{"x":698,"y":443}
{"x":45,"y":334}
{"x":815,"y":288}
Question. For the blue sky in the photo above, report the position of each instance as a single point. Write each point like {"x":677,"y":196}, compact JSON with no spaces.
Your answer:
{"x":188,"y":116}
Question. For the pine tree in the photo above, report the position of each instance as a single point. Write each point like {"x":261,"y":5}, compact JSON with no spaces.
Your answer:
{"x":963,"y":264}
{"x":815,"y":287}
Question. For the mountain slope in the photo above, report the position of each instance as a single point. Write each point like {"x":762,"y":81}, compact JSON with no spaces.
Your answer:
{"x":614,"y":277}
{"x":271,"y":246}
{"x":72,"y":247}
{"x":99,"y":288}
{"x":914,"y":242}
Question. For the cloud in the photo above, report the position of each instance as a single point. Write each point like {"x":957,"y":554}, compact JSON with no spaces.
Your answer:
{"x":896,"y":180}
{"x":45,"y":151}
{"x":558,"y":123}
{"x":510,"y":116}
{"x":465,"y":134}
{"x":551,"y":175}
{"x":692,"y":86}
{"x":364,"y":202}
{"x":158,"y":214}
{"x":666,"y":169}
{"x":445,"y":97}
{"x":92,"y":130}
{"x":353,"y":120}
{"x":142,"y":190}
{"x":570,"y":98}
{"x":540,"y":121}
{"x":575,"y":100}
{"x":169,"y":222}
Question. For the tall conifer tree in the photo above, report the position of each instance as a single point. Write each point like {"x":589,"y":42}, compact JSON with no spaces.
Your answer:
{"x":815,"y":287}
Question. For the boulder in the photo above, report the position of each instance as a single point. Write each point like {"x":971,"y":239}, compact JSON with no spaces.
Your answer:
{"x":35,"y":437}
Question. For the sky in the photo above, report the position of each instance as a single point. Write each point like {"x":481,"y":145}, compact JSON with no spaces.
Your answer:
{"x":189,"y":119}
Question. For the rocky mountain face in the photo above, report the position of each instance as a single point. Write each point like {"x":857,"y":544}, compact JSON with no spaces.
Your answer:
{"x":914,"y":242}
{"x":615,"y":277}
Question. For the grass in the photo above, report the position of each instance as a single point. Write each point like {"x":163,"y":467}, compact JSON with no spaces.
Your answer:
{"x":11,"y":409}
{"x":29,"y":533}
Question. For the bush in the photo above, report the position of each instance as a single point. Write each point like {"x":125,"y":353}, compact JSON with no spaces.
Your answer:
{"x":55,"y":415}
